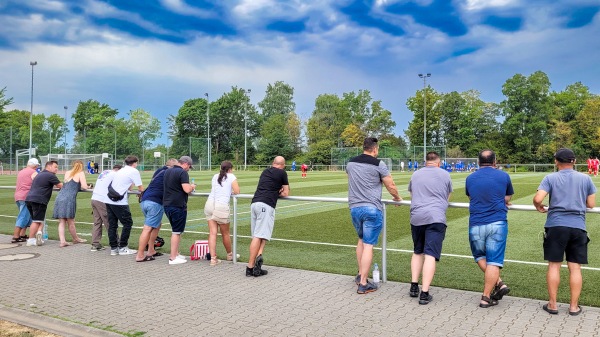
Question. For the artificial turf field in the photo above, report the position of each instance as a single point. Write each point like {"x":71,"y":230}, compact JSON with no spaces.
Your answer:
{"x":319,"y":235}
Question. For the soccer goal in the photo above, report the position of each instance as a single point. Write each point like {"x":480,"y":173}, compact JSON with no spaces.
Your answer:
{"x":65,"y":161}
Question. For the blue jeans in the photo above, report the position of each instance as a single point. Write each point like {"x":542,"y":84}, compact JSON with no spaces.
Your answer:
{"x":24,"y":218}
{"x":367,"y":222}
{"x":489,"y":242}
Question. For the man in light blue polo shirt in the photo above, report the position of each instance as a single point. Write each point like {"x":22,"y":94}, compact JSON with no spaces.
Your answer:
{"x":565,"y":232}
{"x":489,"y":191}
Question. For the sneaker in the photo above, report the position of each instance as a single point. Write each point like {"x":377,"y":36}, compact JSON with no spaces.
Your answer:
{"x":259,"y":272}
{"x":414,"y":290}
{"x":127,"y":251}
{"x":38,"y":238}
{"x":96,"y":248}
{"x":367,"y":288}
{"x":249,"y":271}
{"x":177,"y":261}
{"x":357,"y":279}
{"x":181,"y":257}
{"x":258,"y":262}
{"x":31,"y":242}
{"x":114,"y":251}
{"x":425,"y":298}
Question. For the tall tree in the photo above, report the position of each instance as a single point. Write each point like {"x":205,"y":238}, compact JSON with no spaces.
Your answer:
{"x":425,"y":98}
{"x":279,"y":99}
{"x":4,"y":101}
{"x":93,"y":122}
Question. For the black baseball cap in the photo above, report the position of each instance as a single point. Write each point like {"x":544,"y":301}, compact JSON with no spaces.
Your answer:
{"x":565,"y":155}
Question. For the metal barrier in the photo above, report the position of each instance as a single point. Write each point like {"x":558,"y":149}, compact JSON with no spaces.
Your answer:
{"x":340,"y":200}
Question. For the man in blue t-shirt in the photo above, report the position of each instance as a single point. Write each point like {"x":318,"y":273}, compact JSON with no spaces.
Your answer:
{"x":272,"y":184}
{"x":152,"y":208}
{"x":489,"y":191}
{"x":565,"y":232}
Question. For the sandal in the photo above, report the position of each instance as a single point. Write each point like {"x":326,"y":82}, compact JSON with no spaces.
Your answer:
{"x":575,"y":313}
{"x":79,"y":240}
{"x":66,"y":244}
{"x":214,"y":261}
{"x":500,"y":290}
{"x":489,"y":302}
{"x":16,"y":240}
{"x":145,"y":259}
{"x":230,"y":256}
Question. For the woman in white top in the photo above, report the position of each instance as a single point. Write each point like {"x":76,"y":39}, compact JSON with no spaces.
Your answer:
{"x":65,"y":204}
{"x":216,"y":209}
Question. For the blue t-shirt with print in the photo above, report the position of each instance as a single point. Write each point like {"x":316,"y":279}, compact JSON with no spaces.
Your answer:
{"x":568,"y":191}
{"x":487,"y":188}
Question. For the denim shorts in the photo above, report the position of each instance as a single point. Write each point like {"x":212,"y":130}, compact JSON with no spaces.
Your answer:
{"x":24,"y":217}
{"x":367,"y":222}
{"x":153,"y":213}
{"x":489,"y":242}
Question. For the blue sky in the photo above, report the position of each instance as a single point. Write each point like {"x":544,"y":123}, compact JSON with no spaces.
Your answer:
{"x":154,"y":54}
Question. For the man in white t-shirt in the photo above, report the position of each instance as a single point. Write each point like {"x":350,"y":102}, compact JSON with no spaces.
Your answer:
{"x":99,"y":200}
{"x":118,"y":210}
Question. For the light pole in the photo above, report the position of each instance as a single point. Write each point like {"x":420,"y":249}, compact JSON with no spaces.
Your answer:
{"x":246,"y":132}
{"x":424,"y":77}
{"x":208,"y":127}
{"x":66,"y":131}
{"x":32,"y":64}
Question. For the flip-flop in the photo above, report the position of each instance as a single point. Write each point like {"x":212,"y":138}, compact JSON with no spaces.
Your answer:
{"x":157,"y":254}
{"x":551,"y":311}
{"x":147,"y":258}
{"x":575,"y":313}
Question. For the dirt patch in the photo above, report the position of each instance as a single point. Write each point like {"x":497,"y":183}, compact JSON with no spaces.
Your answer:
{"x":10,"y":329}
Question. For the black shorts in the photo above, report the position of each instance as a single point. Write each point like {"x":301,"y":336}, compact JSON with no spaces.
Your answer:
{"x":428,"y":239}
{"x":37,"y":211}
{"x":177,"y":217}
{"x":566,"y":241}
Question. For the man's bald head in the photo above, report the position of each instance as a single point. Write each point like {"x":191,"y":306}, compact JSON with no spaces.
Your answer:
{"x":279,"y":162}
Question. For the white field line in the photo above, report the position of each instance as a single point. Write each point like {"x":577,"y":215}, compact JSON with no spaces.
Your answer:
{"x":345,"y":246}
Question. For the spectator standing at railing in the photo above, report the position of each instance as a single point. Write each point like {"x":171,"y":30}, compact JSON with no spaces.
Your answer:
{"x":366,"y":174}
{"x":272,"y":184}
{"x":99,"y":200}
{"x":37,"y":200}
{"x":430,"y":189}
{"x":177,"y":187}
{"x":24,"y":181}
{"x":570,"y":193}
{"x":489,"y":191}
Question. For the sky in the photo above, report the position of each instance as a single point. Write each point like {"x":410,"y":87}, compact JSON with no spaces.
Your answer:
{"x":155,"y":54}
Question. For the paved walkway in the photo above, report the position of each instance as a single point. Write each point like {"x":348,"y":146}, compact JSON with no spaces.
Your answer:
{"x":81,"y":287}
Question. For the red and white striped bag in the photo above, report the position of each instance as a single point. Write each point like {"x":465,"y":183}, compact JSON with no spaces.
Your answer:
{"x":199,"y":250}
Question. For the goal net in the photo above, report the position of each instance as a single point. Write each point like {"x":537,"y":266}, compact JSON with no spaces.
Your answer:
{"x":65,"y":161}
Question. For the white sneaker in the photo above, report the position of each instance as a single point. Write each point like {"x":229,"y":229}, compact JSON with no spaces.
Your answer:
{"x":181,"y":257}
{"x":177,"y":261}
{"x":127,"y":251}
{"x":31,"y":242}
{"x":38,"y":238}
{"x":114,"y":252}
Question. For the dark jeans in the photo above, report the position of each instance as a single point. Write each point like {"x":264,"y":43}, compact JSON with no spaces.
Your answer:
{"x":118,"y":213}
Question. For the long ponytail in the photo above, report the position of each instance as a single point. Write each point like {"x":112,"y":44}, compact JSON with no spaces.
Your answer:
{"x":225,"y":167}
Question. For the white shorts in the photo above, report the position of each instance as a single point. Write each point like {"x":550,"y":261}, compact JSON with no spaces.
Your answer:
{"x":262,"y":220}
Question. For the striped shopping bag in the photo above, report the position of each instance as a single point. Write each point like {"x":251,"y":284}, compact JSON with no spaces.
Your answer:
{"x":199,"y":250}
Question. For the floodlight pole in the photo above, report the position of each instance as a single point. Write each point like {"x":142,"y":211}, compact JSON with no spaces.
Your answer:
{"x":246,"y":132}
{"x":424,"y":77}
{"x":208,"y":127}
{"x":66,"y":131}
{"x":32,"y":64}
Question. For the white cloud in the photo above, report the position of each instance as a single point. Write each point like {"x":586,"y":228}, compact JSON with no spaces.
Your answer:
{"x":180,"y":7}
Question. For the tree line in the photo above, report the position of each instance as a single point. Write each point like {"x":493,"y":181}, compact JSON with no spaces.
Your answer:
{"x":527,"y":126}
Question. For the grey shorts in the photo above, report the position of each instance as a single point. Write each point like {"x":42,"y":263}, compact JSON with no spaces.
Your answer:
{"x":262,"y":220}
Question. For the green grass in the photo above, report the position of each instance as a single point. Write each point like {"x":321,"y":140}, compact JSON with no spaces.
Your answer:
{"x":322,"y":222}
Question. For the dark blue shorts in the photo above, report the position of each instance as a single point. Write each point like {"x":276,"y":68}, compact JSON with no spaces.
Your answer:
{"x":428,"y":239}
{"x":177,"y":217}
{"x":560,"y":242}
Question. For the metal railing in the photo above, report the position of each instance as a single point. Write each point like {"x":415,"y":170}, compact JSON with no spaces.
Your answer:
{"x":343,"y":201}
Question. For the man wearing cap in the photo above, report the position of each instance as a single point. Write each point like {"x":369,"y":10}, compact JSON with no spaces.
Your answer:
{"x":570,"y":193}
{"x":37,"y":200}
{"x":118,"y":210}
{"x":24,"y":180}
{"x":489,"y":191}
{"x":176,"y":189}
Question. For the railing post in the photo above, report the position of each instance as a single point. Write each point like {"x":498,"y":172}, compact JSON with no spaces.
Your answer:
{"x":234,"y":248}
{"x":384,"y":246}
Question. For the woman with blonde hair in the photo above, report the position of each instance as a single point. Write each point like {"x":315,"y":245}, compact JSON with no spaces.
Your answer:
{"x":65,"y":204}
{"x":216,"y":209}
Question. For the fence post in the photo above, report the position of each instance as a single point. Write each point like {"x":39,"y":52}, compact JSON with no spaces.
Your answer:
{"x":384,"y":246}
{"x":234,"y":248}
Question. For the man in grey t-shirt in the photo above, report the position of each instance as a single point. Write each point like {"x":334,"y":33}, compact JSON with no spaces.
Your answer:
{"x":366,"y":173}
{"x":430,"y":189}
{"x":565,"y":232}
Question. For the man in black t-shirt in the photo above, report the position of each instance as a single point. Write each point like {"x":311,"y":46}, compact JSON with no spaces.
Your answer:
{"x":273,"y":183}
{"x":37,"y":200}
{"x":176,"y":189}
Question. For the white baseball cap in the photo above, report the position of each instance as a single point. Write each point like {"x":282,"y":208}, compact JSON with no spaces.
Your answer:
{"x":33,"y":161}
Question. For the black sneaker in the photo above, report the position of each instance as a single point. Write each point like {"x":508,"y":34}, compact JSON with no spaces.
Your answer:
{"x":249,"y":271}
{"x":367,"y":288}
{"x":414,"y":290}
{"x":259,"y":272}
{"x":258,"y":261}
{"x":425,"y":298}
